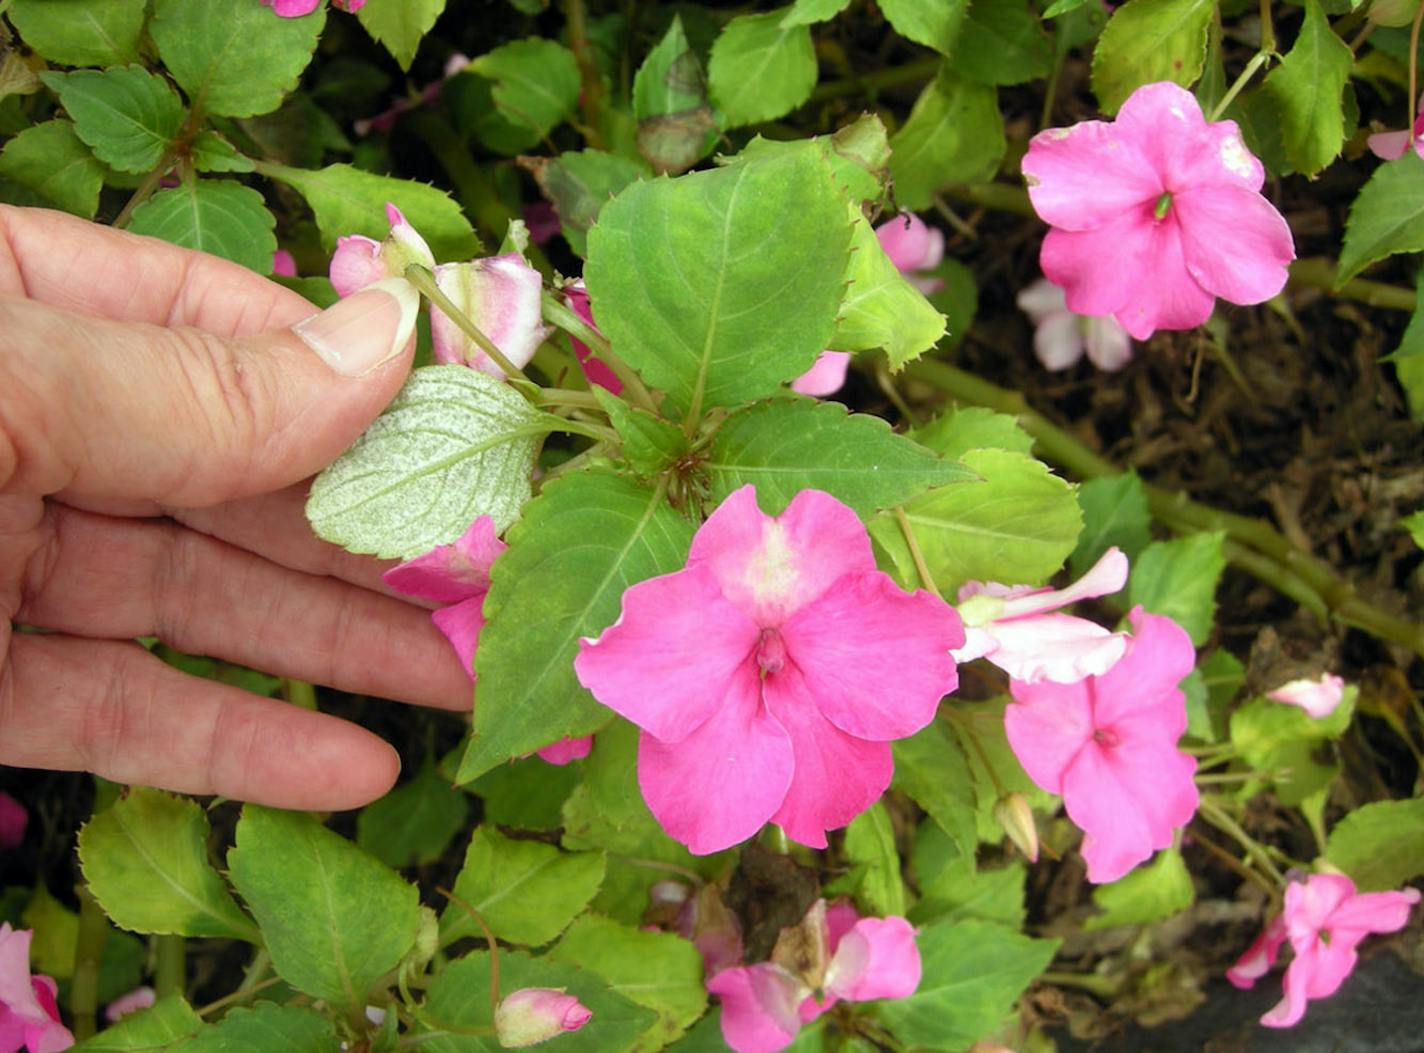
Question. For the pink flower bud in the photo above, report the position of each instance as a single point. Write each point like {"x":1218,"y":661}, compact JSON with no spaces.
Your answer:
{"x":1317,"y":697}
{"x":360,"y":261}
{"x":536,"y":1014}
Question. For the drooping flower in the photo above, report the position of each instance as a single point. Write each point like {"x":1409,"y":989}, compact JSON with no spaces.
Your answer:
{"x":29,"y":1016}
{"x":1156,"y":214}
{"x":1325,"y":919}
{"x":14,"y":818}
{"x":457,"y":575}
{"x":566,"y":750}
{"x":1016,"y":627}
{"x":769,"y":675}
{"x":595,"y":369}
{"x":1108,"y":745}
{"x":138,"y":999}
{"x":857,"y":960}
{"x":1060,"y":337}
{"x":501,"y":295}
{"x":1317,"y":697}
{"x":360,"y":261}
{"x":536,"y":1014}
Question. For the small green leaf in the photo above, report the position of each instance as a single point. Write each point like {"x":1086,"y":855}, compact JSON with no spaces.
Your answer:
{"x":578,"y":184}
{"x":1114,"y":513}
{"x":792,"y":444}
{"x":578,"y":545}
{"x":1415,"y":525}
{"x":525,"y":794}
{"x":760,"y":69}
{"x":1061,"y":7}
{"x":930,"y":769}
{"x":217,"y":216}
{"x":676,"y":126}
{"x":159,"y":1027}
{"x":955,"y":433}
{"x":146,"y":862}
{"x":971,"y":973}
{"x":87,"y":33}
{"x":335,"y":920}
{"x":413,"y":824}
{"x":1178,"y":578}
{"x":268,"y":1028}
{"x":1380,"y":845}
{"x":455,"y":443}
{"x":806,"y":12}
{"x":347,"y":200}
{"x":1387,"y":216}
{"x":533,"y":87}
{"x":208,"y":47}
{"x":400,"y":25}
{"x":1154,"y":892}
{"x":954,"y":134}
{"x":1308,"y":87}
{"x":212,"y":153}
{"x":658,"y":970}
{"x":51,"y":163}
{"x":127,"y":115}
{"x":870,"y":848}
{"x":1147,"y":41}
{"x":650,"y":443}
{"x":527,"y":892}
{"x":933,"y":23}
{"x":1282,"y":744}
{"x":1002,"y":43}
{"x":56,"y":931}
{"x":953,"y":889}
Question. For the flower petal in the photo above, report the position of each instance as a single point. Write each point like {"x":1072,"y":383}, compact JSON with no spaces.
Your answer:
{"x":1235,"y":244}
{"x":874,"y":658}
{"x":1389,"y":146}
{"x":1103,"y":578}
{"x":501,"y":295}
{"x":1165,"y":122}
{"x":1256,"y":962}
{"x":758,"y":1007}
{"x":461,"y":623}
{"x":566,"y":750}
{"x":1317,"y":697}
{"x":355,"y":264}
{"x":1047,"y":725}
{"x":1054,"y":647}
{"x":16,"y":990}
{"x":1374,"y":912}
{"x":1058,"y":340}
{"x":1086,"y":176}
{"x":826,"y":375}
{"x":878,"y":958}
{"x":911,"y":244}
{"x":453,"y":572}
{"x":1107,"y":343}
{"x":1040,"y":299}
{"x":1145,"y":679}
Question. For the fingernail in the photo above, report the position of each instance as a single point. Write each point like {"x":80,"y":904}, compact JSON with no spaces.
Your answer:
{"x":364,"y":330}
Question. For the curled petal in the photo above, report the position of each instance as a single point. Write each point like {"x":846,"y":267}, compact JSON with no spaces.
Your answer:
{"x":355,"y":264}
{"x":1106,"y":576}
{"x":758,"y":1007}
{"x":1317,"y":697}
{"x":1054,"y":647}
{"x":461,"y":623}
{"x":1260,"y":956}
{"x":877,"y":958}
{"x":500,"y":295}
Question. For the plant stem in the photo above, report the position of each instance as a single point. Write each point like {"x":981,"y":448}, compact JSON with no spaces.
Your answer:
{"x":299,"y":693}
{"x":591,"y":97}
{"x":921,"y":568}
{"x":423,"y":280}
{"x":870,"y":83}
{"x":489,"y":939}
{"x":242,"y":994}
{"x":143,"y":193}
{"x":560,"y":314}
{"x":1214,"y":815}
{"x":88,"y":949}
{"x":170,"y":970}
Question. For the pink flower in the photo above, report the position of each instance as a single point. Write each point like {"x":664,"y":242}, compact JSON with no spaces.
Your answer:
{"x":29,"y":1017}
{"x":1016,"y":629}
{"x":298,"y":8}
{"x":825,"y":377}
{"x":137,"y":999}
{"x":360,"y":261}
{"x":1108,"y":745}
{"x":457,"y":575}
{"x":1060,"y":337}
{"x":283,"y":264}
{"x":542,"y":219}
{"x":770,"y":674}
{"x":1325,"y":919}
{"x":764,"y":1005}
{"x":595,"y":369}
{"x":501,"y":295}
{"x":566,"y":750}
{"x":536,"y":1014}
{"x":13,"y":821}
{"x":1390,"y":146}
{"x":1317,"y":697}
{"x":1156,"y":214}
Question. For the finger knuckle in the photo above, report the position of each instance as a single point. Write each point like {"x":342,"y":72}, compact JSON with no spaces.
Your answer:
{"x":230,"y":401}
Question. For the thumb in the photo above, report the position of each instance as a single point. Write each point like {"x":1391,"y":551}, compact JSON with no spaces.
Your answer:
{"x":101,"y":410}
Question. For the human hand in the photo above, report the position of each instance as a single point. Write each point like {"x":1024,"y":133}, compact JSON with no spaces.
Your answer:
{"x":157,"y":414}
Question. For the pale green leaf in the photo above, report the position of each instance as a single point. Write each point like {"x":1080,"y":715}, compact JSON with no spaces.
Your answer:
{"x":453,"y":445}
{"x":585,"y":539}
{"x":955,"y":433}
{"x":1114,"y":514}
{"x":413,"y":824}
{"x":953,"y":889}
{"x":1002,"y":43}
{"x":533,"y":87}
{"x":1147,"y":41}
{"x":146,"y":861}
{"x":1380,"y":845}
{"x":1154,"y":892}
{"x":160,"y":1027}
{"x":209,"y":46}
{"x":858,"y":153}
{"x":760,"y":69}
{"x":954,"y":134}
{"x":400,"y":25}
{"x":1308,"y":88}
{"x":335,"y":920}
{"x":81,"y":32}
{"x":218,"y":216}
{"x":806,"y":12}
{"x":1387,"y":216}
{"x":1282,"y":744}
{"x":1178,"y":578}
{"x":266,"y":1028}
{"x":578,"y":183}
{"x":50,"y":162}
{"x":933,"y":23}
{"x":930,"y":769}
{"x":55,"y":930}
{"x":792,"y":444}
{"x":128,"y":116}
{"x":527,"y":892}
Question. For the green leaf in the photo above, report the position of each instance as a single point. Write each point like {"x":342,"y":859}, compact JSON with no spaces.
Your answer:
{"x":676,"y":126}
{"x":217,"y":216}
{"x":952,"y":889}
{"x":1380,"y":845}
{"x":87,"y":33}
{"x":858,"y":153}
{"x":1415,"y":525}
{"x":870,"y":848}
{"x":1002,"y":43}
{"x":525,"y":794}
{"x":1282,"y":743}
{"x":1154,"y":892}
{"x":1178,"y":578}
{"x":1114,"y":514}
{"x":1308,"y":87}
{"x":1003,"y":773}
{"x":658,"y":970}
{"x":881,"y":308}
{"x":400,"y":25}
{"x":955,"y":433}
{"x":347,"y":200}
{"x":585,"y":539}
{"x":455,"y":444}
{"x":760,"y":69}
{"x":413,"y":824}
{"x":212,"y":153}
{"x":533,"y":87}
{"x":335,"y":919}
{"x":209,"y":48}
{"x":56,"y":931}
{"x":1062,"y":7}
{"x":682,"y":273}
{"x":527,"y":892}
{"x":51,"y":163}
{"x":954,"y":134}
{"x":146,"y":862}
{"x":1016,"y":524}
{"x":792,"y":444}
{"x":933,"y":23}
{"x":1150,"y":40}
{"x":930,"y":769}
{"x":166,"y":1022}
{"x":266,"y":1027}
{"x":578,"y":184}
{"x":1387,"y":216}
{"x":458,"y":1001}
{"x":650,"y":443}
{"x":127,"y":115}
{"x":971,"y":973}
{"x":806,"y":12}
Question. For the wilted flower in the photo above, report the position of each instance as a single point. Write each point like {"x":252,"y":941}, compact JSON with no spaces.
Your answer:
{"x":499,"y":294}
{"x":29,"y":1017}
{"x":1317,"y":697}
{"x":1060,"y":337}
{"x":536,"y":1014}
{"x":360,"y":261}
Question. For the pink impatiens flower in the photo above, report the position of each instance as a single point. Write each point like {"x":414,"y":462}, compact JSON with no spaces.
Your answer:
{"x":536,"y":1014}
{"x":1391,"y":146}
{"x":1325,"y":919}
{"x":360,"y":261}
{"x":298,"y":8}
{"x":1156,"y":214}
{"x":501,"y":295}
{"x":1018,"y":630}
{"x":1108,"y":745}
{"x":29,"y":1017}
{"x":595,"y":369}
{"x":1060,"y":337}
{"x":770,"y":674}
{"x":1317,"y":697}
{"x":566,"y":750}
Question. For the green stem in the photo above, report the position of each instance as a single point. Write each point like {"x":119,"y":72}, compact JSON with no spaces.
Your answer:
{"x":1102,"y":986}
{"x":1257,"y":61}
{"x":144,"y":192}
{"x":921,"y":568}
{"x":1218,"y":818}
{"x":423,"y":280}
{"x":591,"y":97}
{"x":870,"y":83}
{"x":560,"y":314}
{"x":299,"y":693}
{"x":170,"y":970}
{"x":242,"y":994}
{"x":489,"y":939}
{"x":88,"y":949}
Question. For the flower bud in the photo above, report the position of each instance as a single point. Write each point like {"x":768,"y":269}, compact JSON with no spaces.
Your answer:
{"x":500,"y":295}
{"x":536,"y":1014}
{"x":1013,"y":813}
